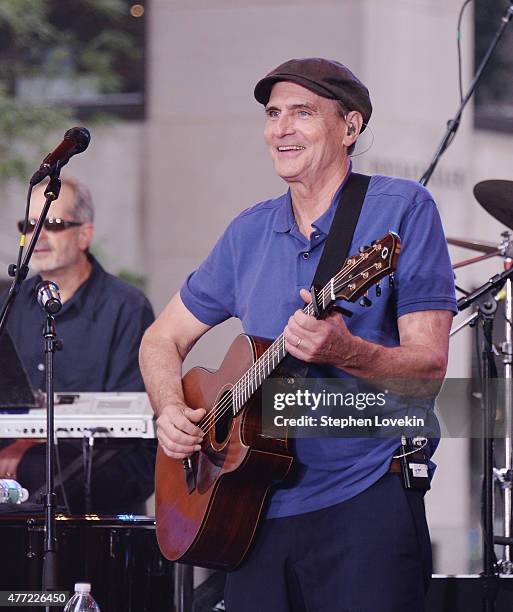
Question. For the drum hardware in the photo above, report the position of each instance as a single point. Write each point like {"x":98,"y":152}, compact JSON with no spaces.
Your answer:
{"x":184,"y":587}
{"x":475,"y":245}
{"x":496,"y":197}
{"x":472,"y":260}
{"x":503,"y":249}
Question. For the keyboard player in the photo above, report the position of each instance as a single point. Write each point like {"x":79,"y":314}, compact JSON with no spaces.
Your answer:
{"x":101,"y":325}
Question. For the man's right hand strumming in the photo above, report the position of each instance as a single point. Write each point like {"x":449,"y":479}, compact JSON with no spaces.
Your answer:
{"x":176,"y":430}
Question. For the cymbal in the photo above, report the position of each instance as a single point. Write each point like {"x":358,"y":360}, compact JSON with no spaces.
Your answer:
{"x":476,"y":245}
{"x":496,"y":197}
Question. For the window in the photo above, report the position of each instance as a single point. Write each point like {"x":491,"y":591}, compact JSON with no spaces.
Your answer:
{"x":87,"y":55}
{"x":494,"y":92}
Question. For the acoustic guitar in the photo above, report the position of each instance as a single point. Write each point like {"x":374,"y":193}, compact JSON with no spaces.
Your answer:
{"x":208,"y":505}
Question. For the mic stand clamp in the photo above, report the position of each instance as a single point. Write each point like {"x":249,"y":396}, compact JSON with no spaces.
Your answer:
{"x":488,"y":290}
{"x":51,"y":344}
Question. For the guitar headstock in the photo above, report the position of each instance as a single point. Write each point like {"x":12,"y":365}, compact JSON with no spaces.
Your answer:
{"x":361,"y":271}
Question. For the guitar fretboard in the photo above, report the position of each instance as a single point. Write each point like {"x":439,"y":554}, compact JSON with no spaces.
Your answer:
{"x":253,"y":378}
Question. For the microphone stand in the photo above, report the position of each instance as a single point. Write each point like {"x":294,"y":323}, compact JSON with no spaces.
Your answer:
{"x":488,"y":308}
{"x":454,"y":123}
{"x":51,"y":344}
{"x":20,"y":271}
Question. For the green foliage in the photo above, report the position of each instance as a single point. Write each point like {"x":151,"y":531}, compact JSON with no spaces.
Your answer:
{"x":59,"y":42}
{"x":138,"y":280}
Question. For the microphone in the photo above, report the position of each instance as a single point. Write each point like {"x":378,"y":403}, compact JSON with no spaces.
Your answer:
{"x":75,"y":141}
{"x":48,"y":297}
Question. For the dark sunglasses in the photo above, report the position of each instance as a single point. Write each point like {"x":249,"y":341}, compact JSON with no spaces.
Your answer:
{"x":52,"y":224}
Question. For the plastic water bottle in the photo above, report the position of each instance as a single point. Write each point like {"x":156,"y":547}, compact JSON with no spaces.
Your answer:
{"x":82,"y":600}
{"x":11,"y":492}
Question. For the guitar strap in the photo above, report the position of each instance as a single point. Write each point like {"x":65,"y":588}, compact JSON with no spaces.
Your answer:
{"x":338,"y":241}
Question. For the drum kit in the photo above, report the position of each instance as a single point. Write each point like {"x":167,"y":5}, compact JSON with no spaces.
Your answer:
{"x":496,"y":197}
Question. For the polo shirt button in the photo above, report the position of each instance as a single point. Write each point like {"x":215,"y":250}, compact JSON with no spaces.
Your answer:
{"x":41,"y":367}
{"x":316,"y":235}
{"x":306,"y":255}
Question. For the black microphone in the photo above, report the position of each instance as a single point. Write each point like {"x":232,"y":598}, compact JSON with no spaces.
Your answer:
{"x":75,"y":141}
{"x":48,"y":297}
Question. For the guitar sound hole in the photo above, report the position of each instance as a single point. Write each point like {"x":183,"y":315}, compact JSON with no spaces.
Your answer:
{"x":224,"y":416}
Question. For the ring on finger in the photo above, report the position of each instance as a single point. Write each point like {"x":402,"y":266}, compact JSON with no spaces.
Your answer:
{"x":299,"y":342}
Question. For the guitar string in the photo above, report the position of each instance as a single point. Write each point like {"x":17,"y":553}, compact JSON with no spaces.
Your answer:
{"x":248,"y":383}
{"x":219,"y":410}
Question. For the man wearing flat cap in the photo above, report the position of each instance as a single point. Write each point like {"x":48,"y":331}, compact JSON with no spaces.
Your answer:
{"x":341,"y":532}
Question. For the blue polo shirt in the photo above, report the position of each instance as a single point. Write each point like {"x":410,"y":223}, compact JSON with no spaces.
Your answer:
{"x":255,"y":272}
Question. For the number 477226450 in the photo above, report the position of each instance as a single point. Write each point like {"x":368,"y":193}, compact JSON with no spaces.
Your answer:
{"x":33,"y":598}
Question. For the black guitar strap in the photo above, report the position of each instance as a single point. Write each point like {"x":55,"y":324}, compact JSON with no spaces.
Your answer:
{"x":342,"y":228}
{"x":335,"y":252}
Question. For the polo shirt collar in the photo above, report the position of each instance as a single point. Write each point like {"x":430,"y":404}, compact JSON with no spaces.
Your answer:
{"x":285,"y":219}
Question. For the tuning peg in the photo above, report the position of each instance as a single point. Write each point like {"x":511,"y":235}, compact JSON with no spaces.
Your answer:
{"x":363,"y":248}
{"x":365,"y":302}
{"x":378,"y":290}
{"x":391,"y":281}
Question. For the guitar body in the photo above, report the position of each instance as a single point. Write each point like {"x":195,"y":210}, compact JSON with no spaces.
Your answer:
{"x":207,"y":515}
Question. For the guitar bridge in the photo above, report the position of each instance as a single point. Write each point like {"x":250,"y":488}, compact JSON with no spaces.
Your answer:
{"x":190,"y":474}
